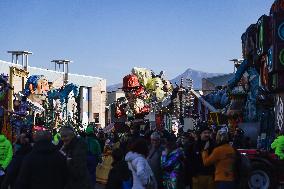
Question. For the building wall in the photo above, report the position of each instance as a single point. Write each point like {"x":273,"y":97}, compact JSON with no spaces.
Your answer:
{"x":98,"y":103}
{"x":92,"y":89}
{"x":114,"y":95}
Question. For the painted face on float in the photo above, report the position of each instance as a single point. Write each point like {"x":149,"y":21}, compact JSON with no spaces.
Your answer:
{"x":42,"y":87}
{"x":37,"y":89}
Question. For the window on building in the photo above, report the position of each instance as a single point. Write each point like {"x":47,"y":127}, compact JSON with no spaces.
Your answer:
{"x":96,"y":117}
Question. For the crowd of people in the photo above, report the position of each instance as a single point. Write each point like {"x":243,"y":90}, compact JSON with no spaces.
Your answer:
{"x":137,"y":159}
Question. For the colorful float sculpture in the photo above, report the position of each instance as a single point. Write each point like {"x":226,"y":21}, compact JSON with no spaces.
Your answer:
{"x":36,"y":88}
{"x":142,"y":89}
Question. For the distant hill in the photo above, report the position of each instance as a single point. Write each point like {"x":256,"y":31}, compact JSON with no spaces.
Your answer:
{"x":195,"y":75}
{"x":114,"y":87}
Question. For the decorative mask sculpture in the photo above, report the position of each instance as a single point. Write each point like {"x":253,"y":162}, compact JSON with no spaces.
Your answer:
{"x":36,"y":88}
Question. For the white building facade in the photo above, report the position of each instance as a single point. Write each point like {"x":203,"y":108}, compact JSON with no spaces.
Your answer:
{"x":92,"y":90}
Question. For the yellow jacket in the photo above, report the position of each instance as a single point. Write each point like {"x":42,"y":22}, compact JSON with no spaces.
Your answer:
{"x":223,"y":157}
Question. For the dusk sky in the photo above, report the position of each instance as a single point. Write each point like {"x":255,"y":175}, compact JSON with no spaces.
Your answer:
{"x":106,"y":38}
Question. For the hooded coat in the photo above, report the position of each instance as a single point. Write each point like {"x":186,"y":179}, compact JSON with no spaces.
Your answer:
{"x":78,"y":176}
{"x":141,"y":171}
{"x":43,"y":168}
{"x":6,"y":152}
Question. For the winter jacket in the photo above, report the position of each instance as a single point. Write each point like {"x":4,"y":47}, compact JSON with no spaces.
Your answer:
{"x":14,"y":167}
{"x":117,"y":175}
{"x":154,"y":160}
{"x":195,"y":159}
{"x":43,"y":168}
{"x":223,"y":157}
{"x":141,"y":171}
{"x":78,"y":175}
{"x":171,"y":165}
{"x":94,"y":147}
{"x":6,"y":152}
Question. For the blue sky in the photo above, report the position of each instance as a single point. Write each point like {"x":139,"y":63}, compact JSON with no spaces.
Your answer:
{"x":106,"y":38}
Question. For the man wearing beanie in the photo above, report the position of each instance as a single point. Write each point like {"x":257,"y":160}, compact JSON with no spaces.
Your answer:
{"x":202,"y":177}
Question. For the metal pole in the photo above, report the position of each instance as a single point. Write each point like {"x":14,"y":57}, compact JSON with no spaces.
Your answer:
{"x":12,"y":58}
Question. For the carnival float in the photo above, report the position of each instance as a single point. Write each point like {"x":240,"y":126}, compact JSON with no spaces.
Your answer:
{"x":37,"y":106}
{"x":253,"y":99}
{"x":151,"y":95}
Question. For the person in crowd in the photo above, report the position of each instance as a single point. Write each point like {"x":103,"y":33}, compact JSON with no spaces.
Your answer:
{"x":124,"y":143}
{"x":154,"y":157}
{"x":101,"y":138}
{"x":115,"y":140}
{"x":94,"y":153}
{"x":238,"y":139}
{"x":44,"y":167}
{"x":6,"y":154}
{"x":120,"y":176}
{"x":23,"y":148}
{"x":187,"y":143}
{"x":172,"y":165}
{"x":75,"y":149}
{"x":223,"y":157}
{"x":143,"y":176}
{"x":202,"y":177}
{"x":104,"y":168}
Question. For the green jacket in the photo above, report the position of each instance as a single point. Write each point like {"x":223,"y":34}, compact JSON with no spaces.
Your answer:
{"x":94,"y":147}
{"x":6,"y":152}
